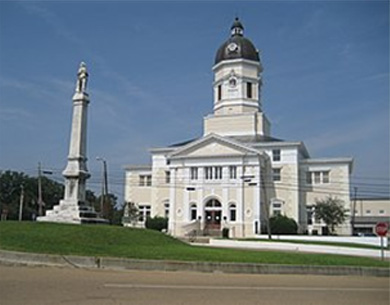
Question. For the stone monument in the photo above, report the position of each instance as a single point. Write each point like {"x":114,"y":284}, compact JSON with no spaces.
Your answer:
{"x":73,"y":208}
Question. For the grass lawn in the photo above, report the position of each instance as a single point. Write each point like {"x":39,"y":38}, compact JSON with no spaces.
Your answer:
{"x":316,"y":242}
{"x":96,"y":240}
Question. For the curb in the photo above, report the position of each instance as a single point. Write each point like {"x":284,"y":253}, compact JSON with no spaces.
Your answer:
{"x":110,"y":263}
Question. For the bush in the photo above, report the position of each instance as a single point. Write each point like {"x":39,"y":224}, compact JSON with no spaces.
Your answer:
{"x":156,"y":223}
{"x":281,"y":224}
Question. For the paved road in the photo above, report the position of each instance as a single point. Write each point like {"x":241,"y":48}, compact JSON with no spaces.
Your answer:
{"x":44,"y":285}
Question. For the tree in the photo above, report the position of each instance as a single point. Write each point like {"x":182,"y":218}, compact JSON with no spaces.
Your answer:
{"x":130,"y":213}
{"x":10,"y":191}
{"x":331,"y":211}
{"x":11,"y":183}
{"x":281,"y":224}
{"x":109,"y":206}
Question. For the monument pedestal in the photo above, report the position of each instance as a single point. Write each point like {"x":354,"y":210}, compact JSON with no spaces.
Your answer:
{"x":71,"y":212}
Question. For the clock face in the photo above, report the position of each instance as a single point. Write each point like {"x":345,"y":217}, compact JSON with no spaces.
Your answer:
{"x":232,"y":47}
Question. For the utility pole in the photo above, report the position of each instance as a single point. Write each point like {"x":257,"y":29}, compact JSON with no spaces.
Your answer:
{"x":21,"y":202}
{"x":263,"y":182}
{"x":40,"y":201}
{"x":353,"y":210}
{"x":104,"y":185}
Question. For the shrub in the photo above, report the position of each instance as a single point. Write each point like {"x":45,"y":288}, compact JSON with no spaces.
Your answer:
{"x":281,"y":224}
{"x":156,"y":223}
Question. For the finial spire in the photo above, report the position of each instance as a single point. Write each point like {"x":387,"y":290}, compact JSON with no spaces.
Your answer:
{"x":237,"y":27}
{"x":82,"y":78}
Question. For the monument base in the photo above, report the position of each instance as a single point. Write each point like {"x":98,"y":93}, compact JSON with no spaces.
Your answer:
{"x":71,"y":212}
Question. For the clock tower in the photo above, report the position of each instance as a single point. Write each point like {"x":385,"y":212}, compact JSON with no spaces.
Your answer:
{"x":237,"y":86}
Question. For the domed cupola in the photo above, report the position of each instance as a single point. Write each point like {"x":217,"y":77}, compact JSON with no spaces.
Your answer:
{"x":237,"y":89}
{"x":237,"y":46}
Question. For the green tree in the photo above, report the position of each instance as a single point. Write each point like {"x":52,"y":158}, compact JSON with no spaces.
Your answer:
{"x":331,"y":211}
{"x":109,"y":206}
{"x":281,"y":224}
{"x":11,"y":183}
{"x":130,"y":213}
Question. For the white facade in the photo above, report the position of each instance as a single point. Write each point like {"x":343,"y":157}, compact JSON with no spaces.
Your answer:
{"x":236,"y":173}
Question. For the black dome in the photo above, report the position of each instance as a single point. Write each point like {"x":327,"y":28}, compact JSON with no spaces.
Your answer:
{"x":237,"y":46}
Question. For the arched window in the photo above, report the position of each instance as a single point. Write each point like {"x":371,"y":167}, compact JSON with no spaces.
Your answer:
{"x":232,"y":212}
{"x":213,"y":203}
{"x":193,"y":212}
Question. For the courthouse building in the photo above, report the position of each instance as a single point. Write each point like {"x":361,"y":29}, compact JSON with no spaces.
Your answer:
{"x":236,"y":172}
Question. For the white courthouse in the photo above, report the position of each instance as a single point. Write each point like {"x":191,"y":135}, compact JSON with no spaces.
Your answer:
{"x":237,"y":170}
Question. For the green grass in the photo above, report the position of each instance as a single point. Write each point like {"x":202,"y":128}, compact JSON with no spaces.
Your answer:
{"x":90,"y":240}
{"x":316,"y":242}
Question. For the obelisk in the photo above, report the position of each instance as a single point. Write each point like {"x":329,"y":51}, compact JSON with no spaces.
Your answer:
{"x":76,"y":172}
{"x":73,"y":208}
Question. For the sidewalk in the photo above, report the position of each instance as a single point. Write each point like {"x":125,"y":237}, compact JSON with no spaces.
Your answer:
{"x":111,"y":263}
{"x":285,"y":246}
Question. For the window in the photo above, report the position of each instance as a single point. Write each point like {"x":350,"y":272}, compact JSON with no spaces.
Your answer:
{"x":317,"y":177}
{"x":208,"y":171}
{"x":308,"y":178}
{"x":218,"y":172}
{"x":213,"y":172}
{"x":276,"y":155}
{"x":168,"y":177}
{"x":194,"y":173}
{"x":219,"y":92}
{"x":276,"y":174}
{"x":144,"y":212}
{"x":325,"y":177}
{"x":145,"y":180}
{"x":193,"y":212}
{"x":368,"y":211}
{"x":276,"y":208}
{"x":232,"y":212}
{"x":381,"y":211}
{"x":310,"y":214}
{"x":166,"y":210}
{"x":233,"y":172}
{"x":249,"y":90}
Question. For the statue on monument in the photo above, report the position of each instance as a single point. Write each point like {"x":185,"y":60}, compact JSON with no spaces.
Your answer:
{"x":82,"y":78}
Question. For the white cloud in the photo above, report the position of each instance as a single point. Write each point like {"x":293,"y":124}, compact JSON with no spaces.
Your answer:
{"x":359,"y":130}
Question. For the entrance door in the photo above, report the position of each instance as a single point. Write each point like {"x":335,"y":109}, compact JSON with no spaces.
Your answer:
{"x":213,"y":215}
{"x":213,"y":220}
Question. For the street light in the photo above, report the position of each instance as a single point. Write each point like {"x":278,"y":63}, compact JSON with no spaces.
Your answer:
{"x":40,"y":200}
{"x":104,"y":184}
{"x":244,"y":179}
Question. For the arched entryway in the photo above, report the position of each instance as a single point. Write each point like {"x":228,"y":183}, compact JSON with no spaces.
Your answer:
{"x":213,"y":215}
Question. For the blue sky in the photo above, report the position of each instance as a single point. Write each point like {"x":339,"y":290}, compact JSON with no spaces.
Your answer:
{"x":326,"y":78}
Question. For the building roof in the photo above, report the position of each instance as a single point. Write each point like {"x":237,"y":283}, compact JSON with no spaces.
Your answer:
{"x":138,"y":167}
{"x":255,"y":139}
{"x":183,"y":143}
{"x":237,"y":46}
{"x":242,"y":139}
{"x":371,"y":219}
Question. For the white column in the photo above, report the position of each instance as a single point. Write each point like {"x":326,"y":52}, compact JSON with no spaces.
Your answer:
{"x":172,"y":202}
